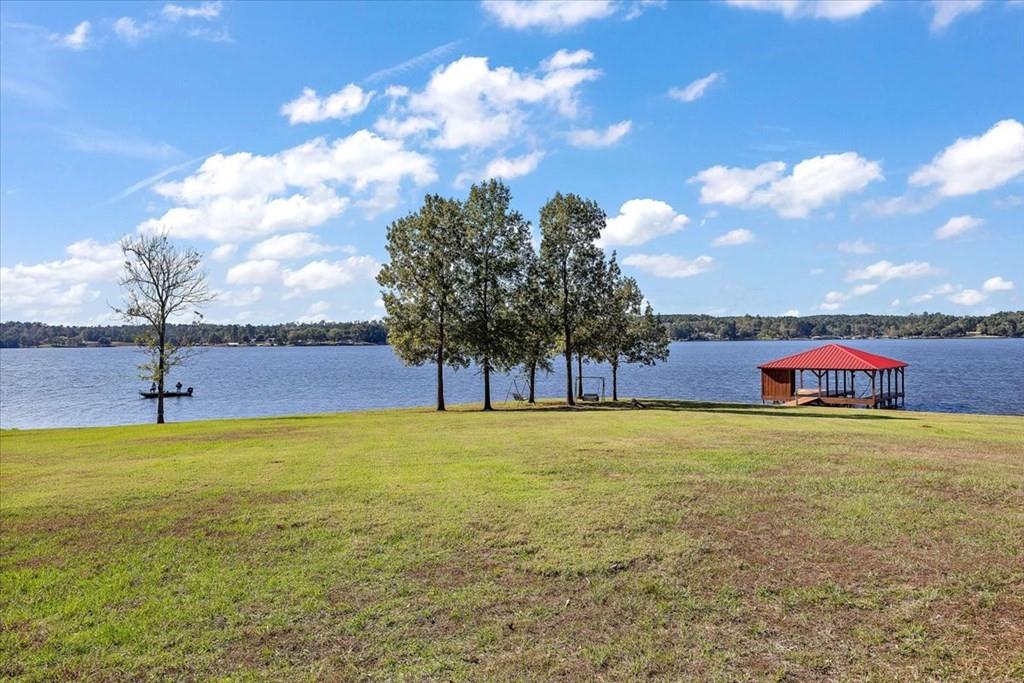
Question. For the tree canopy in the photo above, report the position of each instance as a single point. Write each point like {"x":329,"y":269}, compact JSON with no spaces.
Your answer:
{"x":161,"y":281}
{"x":421,"y":286}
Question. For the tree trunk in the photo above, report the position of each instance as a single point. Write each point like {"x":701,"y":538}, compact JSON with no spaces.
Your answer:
{"x":579,"y":375}
{"x":570,"y":395}
{"x":615,"y":380}
{"x":160,"y":380}
{"x":487,"y":385}
{"x":440,"y":362}
{"x":533,"y":378}
{"x":440,"y":377}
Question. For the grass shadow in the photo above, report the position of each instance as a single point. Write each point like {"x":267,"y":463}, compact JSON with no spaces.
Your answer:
{"x":725,"y":408}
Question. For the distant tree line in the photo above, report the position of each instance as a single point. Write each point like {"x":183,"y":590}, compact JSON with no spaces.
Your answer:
{"x":698,"y":327}
{"x":464,"y":284}
{"x":28,"y":334}
{"x":680,"y":327}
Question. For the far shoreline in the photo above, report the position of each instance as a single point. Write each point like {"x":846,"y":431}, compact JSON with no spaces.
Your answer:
{"x":370,"y":344}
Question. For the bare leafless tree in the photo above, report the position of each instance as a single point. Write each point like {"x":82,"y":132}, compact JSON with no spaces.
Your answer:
{"x":161,"y":281}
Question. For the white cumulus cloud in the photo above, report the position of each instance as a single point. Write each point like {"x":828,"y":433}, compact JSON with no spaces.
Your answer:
{"x":131,"y":31}
{"x":812,"y":183}
{"x":287,"y":247}
{"x":564,"y":59}
{"x":204,"y":10}
{"x":466,"y":103}
{"x":945,"y":12}
{"x":640,"y":221}
{"x":50,"y":289}
{"x":235,"y":197}
{"x":997,"y":284}
{"x":834,"y":10}
{"x":887,"y":270}
{"x":240,"y":297}
{"x":972,"y":297}
{"x":957,"y":226}
{"x":857,"y":246}
{"x":669,"y":266}
{"x":590,"y":138}
{"x":733,"y":238}
{"x":315,"y":313}
{"x":78,"y":39}
{"x":968,"y":297}
{"x":503,"y":167}
{"x":253,"y":272}
{"x":319,"y":275}
{"x":223,"y":252}
{"x":975,"y":164}
{"x":834,"y":299}
{"x":550,"y":15}
{"x":311,"y":108}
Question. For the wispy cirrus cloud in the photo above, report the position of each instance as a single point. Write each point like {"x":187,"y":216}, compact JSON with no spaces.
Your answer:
{"x":160,"y":175}
{"x":695,"y":90}
{"x":103,"y":141}
{"x":427,"y":58}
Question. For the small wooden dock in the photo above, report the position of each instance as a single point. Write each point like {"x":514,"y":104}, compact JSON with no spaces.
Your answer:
{"x":881,"y":400}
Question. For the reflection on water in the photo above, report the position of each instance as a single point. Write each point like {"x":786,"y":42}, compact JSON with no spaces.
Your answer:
{"x":79,"y":387}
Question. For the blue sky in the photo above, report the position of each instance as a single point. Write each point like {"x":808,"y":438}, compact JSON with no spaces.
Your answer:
{"x":753,"y":157}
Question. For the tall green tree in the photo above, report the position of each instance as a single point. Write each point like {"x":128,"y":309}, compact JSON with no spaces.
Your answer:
{"x":629,"y":332}
{"x":569,"y":227}
{"x":649,"y":337}
{"x":615,"y":329}
{"x":161,"y":281}
{"x":495,"y":239}
{"x":536,"y":324}
{"x":420,"y":286}
{"x":599,"y":285}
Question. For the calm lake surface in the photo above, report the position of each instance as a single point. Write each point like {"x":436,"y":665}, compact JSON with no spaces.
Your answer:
{"x":84,"y":387}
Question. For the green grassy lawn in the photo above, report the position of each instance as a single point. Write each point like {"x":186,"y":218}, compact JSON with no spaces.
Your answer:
{"x":679,"y":542}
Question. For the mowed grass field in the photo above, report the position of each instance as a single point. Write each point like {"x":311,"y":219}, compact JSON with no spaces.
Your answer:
{"x":684,"y":541}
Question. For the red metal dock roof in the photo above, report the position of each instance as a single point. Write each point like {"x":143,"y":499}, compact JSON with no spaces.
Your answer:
{"x":834,"y":357}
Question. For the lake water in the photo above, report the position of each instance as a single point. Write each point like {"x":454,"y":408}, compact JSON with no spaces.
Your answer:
{"x":80,"y":387}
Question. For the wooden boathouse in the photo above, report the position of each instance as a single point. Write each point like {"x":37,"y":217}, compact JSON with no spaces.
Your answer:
{"x":833,"y":379}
